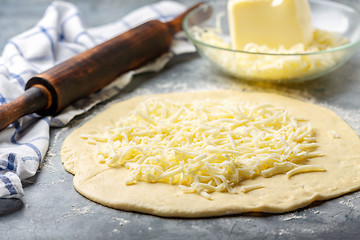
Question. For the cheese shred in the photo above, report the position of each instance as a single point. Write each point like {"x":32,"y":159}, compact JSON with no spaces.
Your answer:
{"x":206,"y":146}
{"x":293,"y":65}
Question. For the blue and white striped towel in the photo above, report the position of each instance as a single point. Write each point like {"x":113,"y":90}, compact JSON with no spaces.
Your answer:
{"x":60,"y":35}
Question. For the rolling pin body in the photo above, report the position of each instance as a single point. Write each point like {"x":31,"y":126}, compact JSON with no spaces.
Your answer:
{"x":95,"y":68}
{"x":51,"y":91}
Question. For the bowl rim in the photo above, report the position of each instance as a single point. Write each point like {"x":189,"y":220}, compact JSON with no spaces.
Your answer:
{"x":207,"y":4}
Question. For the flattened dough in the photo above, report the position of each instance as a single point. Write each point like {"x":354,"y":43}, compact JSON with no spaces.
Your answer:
{"x":106,"y":186}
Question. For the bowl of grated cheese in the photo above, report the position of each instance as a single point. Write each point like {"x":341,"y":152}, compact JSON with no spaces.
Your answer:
{"x":335,"y":38}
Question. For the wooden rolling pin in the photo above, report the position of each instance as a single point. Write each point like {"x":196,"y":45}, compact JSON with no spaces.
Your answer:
{"x":51,"y":91}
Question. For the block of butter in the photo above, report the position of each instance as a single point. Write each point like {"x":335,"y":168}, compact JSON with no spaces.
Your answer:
{"x":269,"y":22}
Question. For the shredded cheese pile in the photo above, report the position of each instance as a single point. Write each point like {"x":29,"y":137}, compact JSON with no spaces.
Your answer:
{"x":271,"y":67}
{"x":206,"y":146}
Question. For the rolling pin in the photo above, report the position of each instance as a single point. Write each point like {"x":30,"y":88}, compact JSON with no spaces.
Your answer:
{"x":51,"y":91}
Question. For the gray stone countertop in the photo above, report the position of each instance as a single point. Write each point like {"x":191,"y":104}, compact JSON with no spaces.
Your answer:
{"x":52,"y":209}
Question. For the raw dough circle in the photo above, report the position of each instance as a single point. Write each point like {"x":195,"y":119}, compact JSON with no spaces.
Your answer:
{"x":106,"y":186}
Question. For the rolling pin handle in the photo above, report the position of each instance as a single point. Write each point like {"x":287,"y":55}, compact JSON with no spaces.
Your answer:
{"x":34,"y":99}
{"x":174,"y":25}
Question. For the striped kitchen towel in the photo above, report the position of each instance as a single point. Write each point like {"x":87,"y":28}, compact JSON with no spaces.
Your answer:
{"x":58,"y":36}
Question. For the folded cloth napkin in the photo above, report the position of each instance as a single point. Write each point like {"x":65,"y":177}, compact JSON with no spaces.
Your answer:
{"x":58,"y":36}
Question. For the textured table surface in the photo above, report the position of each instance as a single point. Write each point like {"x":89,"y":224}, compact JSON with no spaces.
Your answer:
{"x":52,"y":209}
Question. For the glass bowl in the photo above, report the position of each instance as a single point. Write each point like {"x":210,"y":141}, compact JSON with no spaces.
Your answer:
{"x":274,"y":67}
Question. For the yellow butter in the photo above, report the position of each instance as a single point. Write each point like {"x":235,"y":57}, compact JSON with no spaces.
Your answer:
{"x":269,"y":22}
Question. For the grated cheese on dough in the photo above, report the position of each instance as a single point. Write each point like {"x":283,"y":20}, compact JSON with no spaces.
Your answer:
{"x":305,"y":168}
{"x":249,"y":188}
{"x":334,"y":134}
{"x":206,"y":146}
